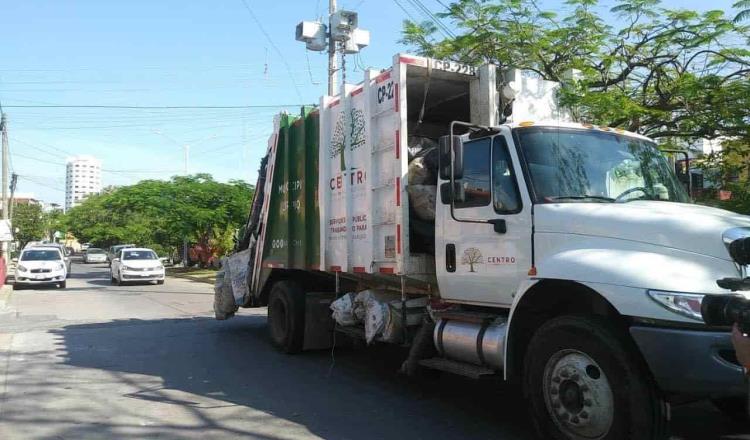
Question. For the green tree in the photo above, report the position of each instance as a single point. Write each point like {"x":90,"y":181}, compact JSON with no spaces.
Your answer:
{"x":160,"y":214}
{"x":29,"y":223}
{"x":744,"y":14}
{"x":667,"y":73}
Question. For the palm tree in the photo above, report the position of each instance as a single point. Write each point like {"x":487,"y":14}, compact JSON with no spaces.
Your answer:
{"x":744,"y":14}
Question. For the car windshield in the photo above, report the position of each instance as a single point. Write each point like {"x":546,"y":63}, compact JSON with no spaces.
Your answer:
{"x":575,"y":165}
{"x":139,"y":255}
{"x":94,"y":251}
{"x":40,"y":255}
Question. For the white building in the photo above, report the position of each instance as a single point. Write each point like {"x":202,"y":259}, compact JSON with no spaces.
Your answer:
{"x":83,"y":176}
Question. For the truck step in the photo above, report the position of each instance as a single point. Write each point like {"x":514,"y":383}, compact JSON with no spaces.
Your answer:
{"x":461,"y":368}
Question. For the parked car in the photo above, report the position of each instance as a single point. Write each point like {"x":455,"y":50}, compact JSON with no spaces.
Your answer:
{"x":94,"y":255}
{"x":63,"y":251}
{"x":40,"y":265}
{"x":113,"y":251}
{"x":136,"y":264}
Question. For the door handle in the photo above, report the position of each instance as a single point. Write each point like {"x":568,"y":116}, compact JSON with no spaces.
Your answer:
{"x":450,"y":257}
{"x":499,"y":225}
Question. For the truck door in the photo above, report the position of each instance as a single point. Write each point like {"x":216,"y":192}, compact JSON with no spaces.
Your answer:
{"x":478,"y":260}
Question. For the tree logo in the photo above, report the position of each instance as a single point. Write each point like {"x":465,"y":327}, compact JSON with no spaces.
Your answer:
{"x":471,"y":257}
{"x":356,"y":135}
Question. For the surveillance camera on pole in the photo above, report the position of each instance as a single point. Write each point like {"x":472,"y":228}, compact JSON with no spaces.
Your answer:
{"x":341,"y":33}
{"x":313,"y":34}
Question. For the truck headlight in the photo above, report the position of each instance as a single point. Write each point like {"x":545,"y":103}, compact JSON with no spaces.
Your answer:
{"x":21,"y":268}
{"x":123,"y":267}
{"x":685,"y":304}
{"x":60,"y":266}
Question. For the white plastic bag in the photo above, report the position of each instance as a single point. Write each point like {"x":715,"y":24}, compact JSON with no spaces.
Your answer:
{"x":343,"y":310}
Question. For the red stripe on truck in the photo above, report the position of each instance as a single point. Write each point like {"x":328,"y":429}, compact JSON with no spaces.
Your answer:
{"x":398,"y":191}
{"x":407,"y":60}
{"x":386,"y":270}
{"x":383,"y":77}
{"x":398,"y":238}
{"x":334,"y":103}
{"x":359,"y":269}
{"x":357,"y":91}
{"x":398,"y":144}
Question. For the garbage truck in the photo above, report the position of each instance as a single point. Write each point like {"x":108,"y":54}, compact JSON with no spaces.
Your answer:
{"x":461,"y":212}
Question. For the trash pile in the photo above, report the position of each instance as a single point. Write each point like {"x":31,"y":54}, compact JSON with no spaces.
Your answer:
{"x":380,"y":312}
{"x":423,"y":166}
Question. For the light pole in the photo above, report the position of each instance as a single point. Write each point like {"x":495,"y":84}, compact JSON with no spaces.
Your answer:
{"x":186,"y":158}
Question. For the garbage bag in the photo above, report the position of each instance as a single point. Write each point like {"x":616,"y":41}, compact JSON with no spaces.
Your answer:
{"x":416,"y":308}
{"x":422,"y":200}
{"x":342,"y":310}
{"x":224,"y":305}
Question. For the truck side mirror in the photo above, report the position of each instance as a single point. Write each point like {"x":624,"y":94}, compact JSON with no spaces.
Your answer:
{"x":445,"y":156}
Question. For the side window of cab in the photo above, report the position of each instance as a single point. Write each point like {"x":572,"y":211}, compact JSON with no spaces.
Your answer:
{"x":475,"y":189}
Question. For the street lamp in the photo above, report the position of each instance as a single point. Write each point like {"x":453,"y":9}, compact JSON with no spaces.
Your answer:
{"x":186,"y":150}
{"x":185,"y":146}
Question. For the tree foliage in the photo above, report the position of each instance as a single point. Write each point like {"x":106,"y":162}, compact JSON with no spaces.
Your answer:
{"x":666,"y":73}
{"x":160,"y":214}
{"x":29,"y":222}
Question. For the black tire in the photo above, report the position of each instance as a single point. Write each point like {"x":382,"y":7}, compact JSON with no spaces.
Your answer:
{"x":159,"y":281}
{"x":733,"y":407}
{"x":118,"y":280}
{"x":112,"y":279}
{"x":63,"y":284}
{"x":17,"y":286}
{"x":286,"y":316}
{"x":565,"y":364}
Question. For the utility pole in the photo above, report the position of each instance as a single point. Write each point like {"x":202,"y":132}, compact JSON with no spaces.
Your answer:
{"x":13,"y":183}
{"x":186,"y":149}
{"x":4,"y":130}
{"x":332,"y":62}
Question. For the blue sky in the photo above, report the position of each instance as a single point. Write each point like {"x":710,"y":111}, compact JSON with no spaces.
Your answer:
{"x":175,"y":53}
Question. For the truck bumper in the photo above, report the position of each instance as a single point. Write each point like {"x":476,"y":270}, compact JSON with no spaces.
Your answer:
{"x":697,"y":363}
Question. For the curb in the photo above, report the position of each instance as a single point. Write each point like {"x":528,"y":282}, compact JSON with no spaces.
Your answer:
{"x":196,"y":279}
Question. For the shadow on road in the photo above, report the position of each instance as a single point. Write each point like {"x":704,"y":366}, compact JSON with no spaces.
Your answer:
{"x":359,"y":397}
{"x":202,"y":366}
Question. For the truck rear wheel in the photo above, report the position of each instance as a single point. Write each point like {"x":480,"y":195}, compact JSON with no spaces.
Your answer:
{"x":286,"y":316}
{"x":583,"y":382}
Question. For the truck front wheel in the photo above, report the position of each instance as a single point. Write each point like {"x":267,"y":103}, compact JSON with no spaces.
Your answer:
{"x":583,"y":382}
{"x":286,"y":316}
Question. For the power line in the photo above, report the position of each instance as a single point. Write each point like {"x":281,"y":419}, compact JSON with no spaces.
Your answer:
{"x":157,"y":107}
{"x":270,"y":41}
{"x":405,"y":10}
{"x":430,"y":16}
{"x":36,"y":182}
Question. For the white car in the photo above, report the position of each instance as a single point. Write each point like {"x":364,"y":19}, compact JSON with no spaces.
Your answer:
{"x":94,"y":255}
{"x":136,"y":264}
{"x":40,"y":266}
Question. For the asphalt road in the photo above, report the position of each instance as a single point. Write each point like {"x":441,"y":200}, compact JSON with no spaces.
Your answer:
{"x":96,"y":361}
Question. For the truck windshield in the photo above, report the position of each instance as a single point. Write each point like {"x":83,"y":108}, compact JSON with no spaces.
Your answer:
{"x":578,"y":165}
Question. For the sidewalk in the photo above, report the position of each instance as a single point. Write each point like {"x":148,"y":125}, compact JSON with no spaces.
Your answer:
{"x":6,"y":291}
{"x":207,"y":276}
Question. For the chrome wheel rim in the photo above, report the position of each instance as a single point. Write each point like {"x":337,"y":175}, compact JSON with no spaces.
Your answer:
{"x":578,"y":395}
